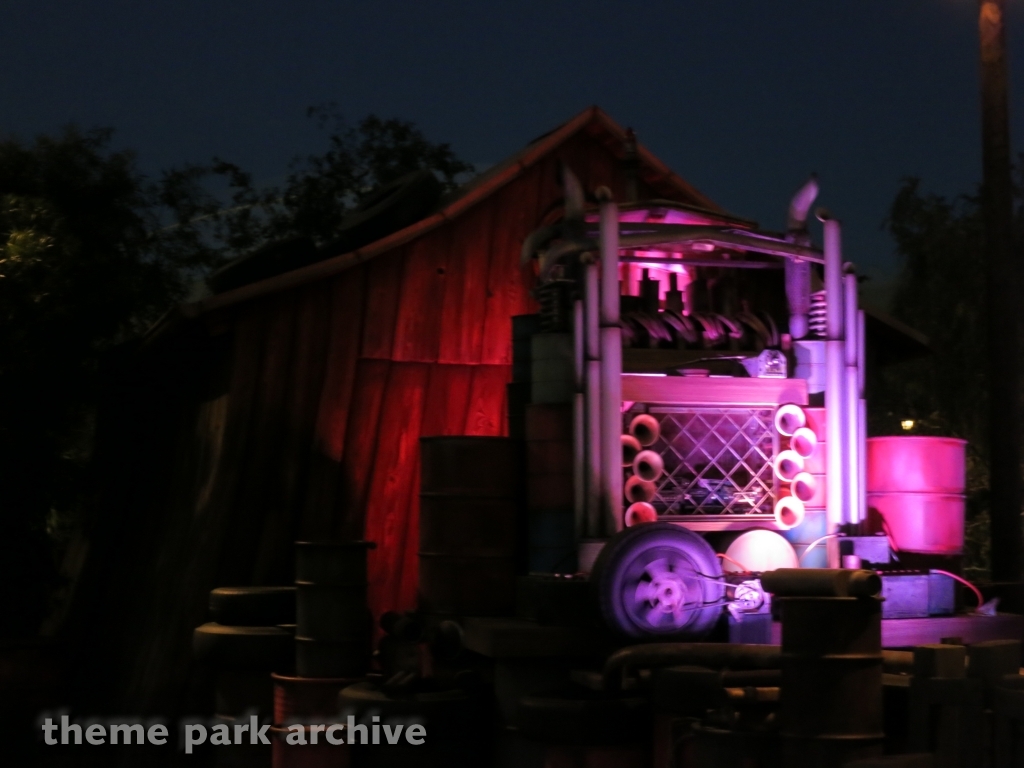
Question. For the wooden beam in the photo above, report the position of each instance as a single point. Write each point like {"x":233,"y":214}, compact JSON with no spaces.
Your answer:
{"x":713,"y":391}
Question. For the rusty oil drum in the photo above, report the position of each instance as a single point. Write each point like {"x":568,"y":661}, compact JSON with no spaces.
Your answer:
{"x":831,"y":680}
{"x":469,"y":525}
{"x":334,"y":624}
{"x":550,"y":489}
{"x":457,"y":727}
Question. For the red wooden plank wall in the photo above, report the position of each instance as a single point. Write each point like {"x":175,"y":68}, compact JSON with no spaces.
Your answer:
{"x":315,"y":431}
{"x":418,"y":343}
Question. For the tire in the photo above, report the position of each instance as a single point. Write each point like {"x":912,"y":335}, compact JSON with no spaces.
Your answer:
{"x":659,"y":581}
{"x":252,"y":606}
{"x":258,"y":648}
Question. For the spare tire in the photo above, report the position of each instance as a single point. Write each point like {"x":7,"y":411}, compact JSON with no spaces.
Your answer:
{"x":261,"y":648}
{"x":659,"y":580}
{"x":253,"y":606}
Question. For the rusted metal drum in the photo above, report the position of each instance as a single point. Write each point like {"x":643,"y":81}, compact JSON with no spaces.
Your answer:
{"x":916,"y":464}
{"x":712,"y":747}
{"x":523,"y":329}
{"x":239,"y":755}
{"x":916,"y":486}
{"x":581,"y":729}
{"x":552,"y":368}
{"x":323,"y":754}
{"x":831,"y":680}
{"x":334,"y":624}
{"x":470,"y":466}
{"x":550,"y":490}
{"x":457,"y":723}
{"x":929,"y":523}
{"x":307,"y":699}
{"x":470,"y":525}
{"x":239,"y":691}
{"x":252,"y":606}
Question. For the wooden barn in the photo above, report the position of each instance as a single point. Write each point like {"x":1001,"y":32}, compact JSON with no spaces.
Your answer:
{"x":292,"y":408}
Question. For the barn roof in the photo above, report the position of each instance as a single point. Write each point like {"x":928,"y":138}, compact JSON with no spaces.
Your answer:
{"x":592,"y":120}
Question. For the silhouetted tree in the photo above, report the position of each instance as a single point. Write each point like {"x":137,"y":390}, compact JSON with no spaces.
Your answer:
{"x":318,"y":191}
{"x":91,"y":253}
{"x":83,"y":266}
{"x":941,"y":292}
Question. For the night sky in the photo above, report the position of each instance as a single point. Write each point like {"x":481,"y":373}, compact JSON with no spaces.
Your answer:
{"x":743,"y":98}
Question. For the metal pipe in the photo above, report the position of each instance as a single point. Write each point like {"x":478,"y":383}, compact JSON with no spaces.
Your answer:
{"x":833,"y":278}
{"x":821,"y":582}
{"x":592,"y":311}
{"x":611,"y":427}
{"x":579,"y":420}
{"x":862,"y":419}
{"x":862,"y":344}
{"x":609,"y":244}
{"x":592,"y":401}
{"x":579,"y":344}
{"x":652,"y":655}
{"x":835,"y":438}
{"x":798,"y":272}
{"x":798,"y":296}
{"x":851,"y":393}
{"x":579,"y":463}
{"x":836,"y":422}
{"x":687,"y":262}
{"x":592,"y":492}
{"x":800,"y":206}
{"x":611,"y":366}
{"x":850,"y":314}
{"x":674,"y":235}
{"x":851,"y":429}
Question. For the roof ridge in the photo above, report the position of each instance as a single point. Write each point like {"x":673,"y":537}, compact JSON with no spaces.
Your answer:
{"x":474,"y":191}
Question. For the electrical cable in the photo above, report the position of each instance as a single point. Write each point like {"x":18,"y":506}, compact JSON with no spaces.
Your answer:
{"x":738,"y":564}
{"x":815,"y":543}
{"x":965,"y":582}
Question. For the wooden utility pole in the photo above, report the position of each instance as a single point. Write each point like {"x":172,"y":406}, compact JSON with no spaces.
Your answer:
{"x":1005,"y":486}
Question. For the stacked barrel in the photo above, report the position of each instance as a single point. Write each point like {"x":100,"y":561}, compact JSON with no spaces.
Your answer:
{"x":518,"y":390}
{"x":549,"y":488}
{"x":249,"y":638}
{"x":541,"y":414}
{"x":469,"y":525}
{"x":307,"y":701}
{"x":831,"y":665}
{"x":915,"y":484}
{"x":801,"y":467}
{"x":552,"y":368}
{"x":333,"y":622}
{"x":332,"y":649}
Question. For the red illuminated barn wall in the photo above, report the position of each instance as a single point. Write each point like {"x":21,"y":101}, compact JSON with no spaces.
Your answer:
{"x":307,"y":425}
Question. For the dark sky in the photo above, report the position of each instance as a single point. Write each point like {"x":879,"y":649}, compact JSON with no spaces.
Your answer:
{"x":741,"y":97}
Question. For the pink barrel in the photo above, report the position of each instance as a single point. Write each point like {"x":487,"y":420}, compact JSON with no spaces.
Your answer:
{"x":930,"y":523}
{"x":916,"y":484}
{"x":916,"y":464}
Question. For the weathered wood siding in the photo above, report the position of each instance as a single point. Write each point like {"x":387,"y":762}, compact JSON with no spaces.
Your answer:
{"x":307,"y":426}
